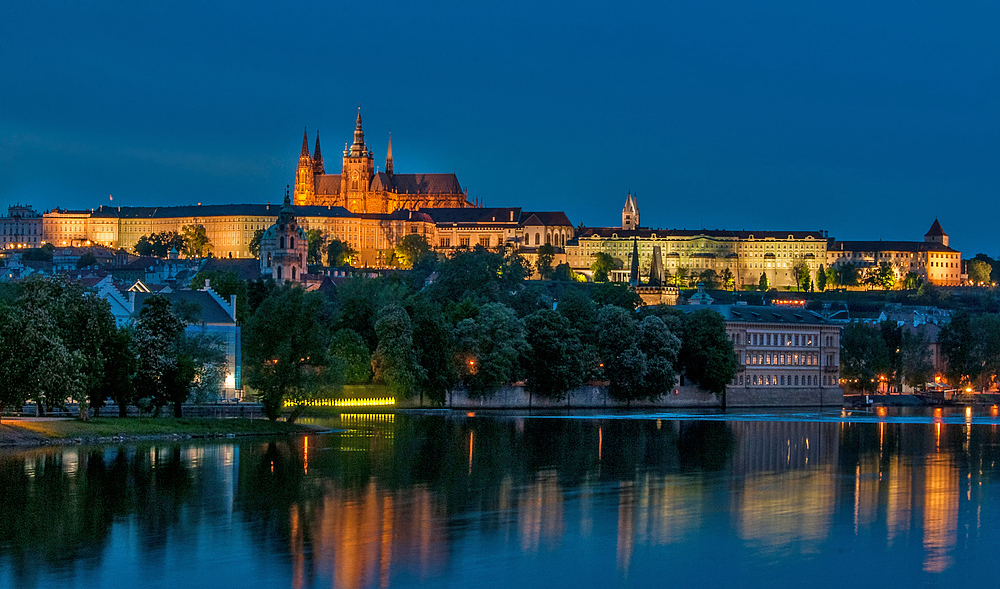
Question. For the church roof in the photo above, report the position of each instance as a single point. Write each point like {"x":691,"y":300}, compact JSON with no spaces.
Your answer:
{"x":426,"y":184}
{"x":328,"y":184}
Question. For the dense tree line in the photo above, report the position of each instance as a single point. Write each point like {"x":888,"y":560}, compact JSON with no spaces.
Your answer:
{"x":59,"y":342}
{"x":472,"y":320}
{"x":884,"y":356}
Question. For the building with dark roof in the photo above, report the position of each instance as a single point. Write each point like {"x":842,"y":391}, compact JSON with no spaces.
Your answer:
{"x":701,"y":253}
{"x":786,"y":356}
{"x":361,"y":187}
{"x":931,"y":259}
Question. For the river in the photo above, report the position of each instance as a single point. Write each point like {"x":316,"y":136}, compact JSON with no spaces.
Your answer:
{"x":447,"y":499}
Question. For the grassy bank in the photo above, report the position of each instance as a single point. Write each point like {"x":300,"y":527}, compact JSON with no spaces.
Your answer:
{"x":29,"y":432}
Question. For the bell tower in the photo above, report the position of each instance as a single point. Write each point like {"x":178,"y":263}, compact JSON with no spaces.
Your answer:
{"x":305,"y":187}
{"x":630,"y":213}
{"x":358,"y":170}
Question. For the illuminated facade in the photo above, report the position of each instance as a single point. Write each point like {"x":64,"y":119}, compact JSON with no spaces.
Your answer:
{"x":284,"y":246}
{"x":932,"y":259}
{"x":22,"y":227}
{"x":361,"y":187}
{"x":746,"y":254}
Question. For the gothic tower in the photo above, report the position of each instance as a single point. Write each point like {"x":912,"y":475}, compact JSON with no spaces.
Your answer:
{"x":630,"y":213}
{"x":388,"y":157}
{"x":318,"y":159}
{"x":358,"y":170}
{"x":305,"y":187}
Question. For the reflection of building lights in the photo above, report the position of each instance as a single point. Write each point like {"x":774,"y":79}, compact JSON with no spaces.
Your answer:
{"x":375,"y":402}
{"x":881,"y":411}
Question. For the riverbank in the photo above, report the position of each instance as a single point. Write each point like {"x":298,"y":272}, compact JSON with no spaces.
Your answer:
{"x":104,"y":430}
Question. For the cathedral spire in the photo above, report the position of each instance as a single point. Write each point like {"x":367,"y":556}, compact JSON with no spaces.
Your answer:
{"x":358,"y":148}
{"x":388,"y":157}
{"x":318,"y":158}
{"x":305,"y":143}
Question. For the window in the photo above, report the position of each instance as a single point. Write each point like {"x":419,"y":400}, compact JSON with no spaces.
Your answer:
{"x":463,"y":241}
{"x":291,"y":244}
{"x":281,"y":245}
{"x":484,"y":241}
{"x":445,"y":242}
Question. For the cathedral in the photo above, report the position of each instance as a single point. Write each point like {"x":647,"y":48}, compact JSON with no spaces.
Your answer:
{"x":361,"y":188}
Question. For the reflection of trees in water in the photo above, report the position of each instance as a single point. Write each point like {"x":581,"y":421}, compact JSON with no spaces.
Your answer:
{"x":59,"y":506}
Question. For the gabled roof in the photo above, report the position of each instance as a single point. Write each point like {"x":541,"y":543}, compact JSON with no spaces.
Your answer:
{"x":426,"y":184}
{"x":547,"y":219}
{"x":328,"y":184}
{"x":244,"y":268}
{"x":209,"y":310}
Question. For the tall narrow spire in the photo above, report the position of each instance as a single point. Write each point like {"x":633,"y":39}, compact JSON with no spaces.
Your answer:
{"x":388,"y":157}
{"x":358,"y":148}
{"x":633,"y":274}
{"x":318,"y":158}
{"x":305,"y":143}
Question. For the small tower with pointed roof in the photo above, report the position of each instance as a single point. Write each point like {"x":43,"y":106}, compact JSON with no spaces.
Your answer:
{"x":630,"y":213}
{"x":633,"y":274}
{"x":284,"y":246}
{"x":936,"y":234}
{"x":305,"y":187}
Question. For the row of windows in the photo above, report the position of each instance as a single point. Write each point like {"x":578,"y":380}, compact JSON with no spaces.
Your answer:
{"x":783,"y":359}
{"x":782,"y":339}
{"x":782,"y":380}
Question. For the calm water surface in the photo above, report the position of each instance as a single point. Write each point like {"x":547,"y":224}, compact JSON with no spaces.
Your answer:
{"x":446,"y":499}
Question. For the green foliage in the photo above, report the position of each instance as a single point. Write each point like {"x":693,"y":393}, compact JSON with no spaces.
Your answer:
{"x":159,"y":244}
{"x":157,"y":336}
{"x":763,"y":284}
{"x":979,"y":272}
{"x":489,"y":349}
{"x":602,"y":266}
{"x":284,"y":346}
{"x":865,"y":357}
{"x":38,"y":254}
{"x":564,"y":273}
{"x":728,"y":280}
{"x":394,"y":362}
{"x":709,"y":278}
{"x":348,"y":347}
{"x":882,"y":276}
{"x":800,"y":270}
{"x":619,"y":295}
{"x":196,"y":241}
{"x":639,"y":359}
{"x":681,"y":277}
{"x":434,"y":344}
{"x":971,"y":346}
{"x":847,"y":275}
{"x":316,"y":240}
{"x":912,"y":280}
{"x":226,"y":283}
{"x":916,"y":367}
{"x":86,"y":260}
{"x":411,"y":250}
{"x":254,"y":245}
{"x":546,"y":254}
{"x":821,"y":278}
{"x":707,"y":355}
{"x":554,"y":362}
{"x":339,"y":253}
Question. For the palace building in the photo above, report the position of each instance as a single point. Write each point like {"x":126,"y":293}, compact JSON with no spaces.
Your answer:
{"x":692,"y":252}
{"x":360,"y":187}
{"x":931,"y":259}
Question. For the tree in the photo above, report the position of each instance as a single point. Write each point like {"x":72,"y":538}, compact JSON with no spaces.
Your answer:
{"x":763,"y":283}
{"x":620,"y":295}
{"x":546,"y":254}
{"x":800,"y":271}
{"x":411,"y":249}
{"x":348,"y":347}
{"x":602,"y":266}
{"x":38,"y":254}
{"x":316,"y":239}
{"x":254,"y":245}
{"x":159,"y":244}
{"x":285,"y":346}
{"x":821,"y":278}
{"x":553,"y":361}
{"x":728,"y":280}
{"x":881,"y":276}
{"x":564,"y":273}
{"x":157,"y":334}
{"x":979,"y":272}
{"x":681,"y":277}
{"x":662,"y":349}
{"x":912,"y":281}
{"x":847,"y":275}
{"x":489,"y":349}
{"x":709,"y":278}
{"x":623,"y":363}
{"x":120,"y":369}
{"x":196,"y":241}
{"x":339,"y":253}
{"x":394,"y":363}
{"x":435,"y":347}
{"x":915,"y":357}
{"x":864,"y":356}
{"x":971,"y":346}
{"x":86,"y":260}
{"x":707,"y":356}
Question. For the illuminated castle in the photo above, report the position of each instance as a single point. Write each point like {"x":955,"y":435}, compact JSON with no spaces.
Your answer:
{"x":361,"y":188}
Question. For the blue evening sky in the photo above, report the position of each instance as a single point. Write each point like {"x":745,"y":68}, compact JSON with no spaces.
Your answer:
{"x":865,"y":119}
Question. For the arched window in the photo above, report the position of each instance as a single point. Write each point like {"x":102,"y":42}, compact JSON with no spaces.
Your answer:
{"x":279,"y":272}
{"x":538,"y":239}
{"x":281,"y":242}
{"x":548,"y":239}
{"x":293,"y":272}
{"x":291,"y":243}
{"x":268,"y":259}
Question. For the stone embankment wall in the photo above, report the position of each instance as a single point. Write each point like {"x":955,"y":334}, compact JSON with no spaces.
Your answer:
{"x":596,"y":396}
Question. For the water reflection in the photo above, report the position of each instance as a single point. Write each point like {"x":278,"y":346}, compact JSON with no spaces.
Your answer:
{"x":399,"y":500}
